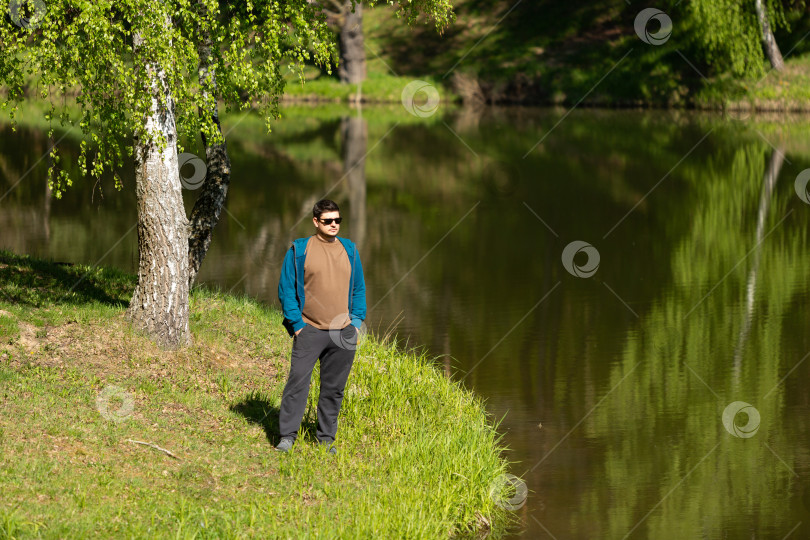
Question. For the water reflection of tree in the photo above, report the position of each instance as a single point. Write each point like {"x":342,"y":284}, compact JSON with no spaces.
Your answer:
{"x":768,"y":185}
{"x":26,"y":226}
{"x":339,"y":174}
{"x":354,"y":133}
{"x":661,"y":424}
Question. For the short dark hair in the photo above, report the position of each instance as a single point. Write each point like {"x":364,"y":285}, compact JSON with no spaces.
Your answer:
{"x":324,"y":205}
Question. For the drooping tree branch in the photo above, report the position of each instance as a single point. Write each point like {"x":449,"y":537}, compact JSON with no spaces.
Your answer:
{"x":127,"y":64}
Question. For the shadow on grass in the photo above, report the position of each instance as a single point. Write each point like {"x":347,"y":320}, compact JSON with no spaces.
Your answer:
{"x":256,"y":409}
{"x":27,"y":281}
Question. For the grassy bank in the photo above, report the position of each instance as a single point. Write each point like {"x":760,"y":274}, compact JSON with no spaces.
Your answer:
{"x":377,"y":88}
{"x":545,"y":53}
{"x":552,"y":53}
{"x":417,"y":453}
{"x":786,"y":90}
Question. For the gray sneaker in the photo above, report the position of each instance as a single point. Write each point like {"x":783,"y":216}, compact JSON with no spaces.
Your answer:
{"x":330,"y":444}
{"x":285,"y":444}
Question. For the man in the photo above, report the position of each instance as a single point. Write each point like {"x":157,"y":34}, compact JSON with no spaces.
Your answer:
{"x":323,"y":298}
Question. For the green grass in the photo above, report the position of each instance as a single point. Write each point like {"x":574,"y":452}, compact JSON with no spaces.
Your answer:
{"x":547,"y":53}
{"x":418,"y":454}
{"x":561,"y":53}
{"x":377,"y":88}
{"x":788,"y":90}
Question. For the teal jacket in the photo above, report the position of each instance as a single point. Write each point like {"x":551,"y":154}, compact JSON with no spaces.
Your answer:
{"x":291,"y":285}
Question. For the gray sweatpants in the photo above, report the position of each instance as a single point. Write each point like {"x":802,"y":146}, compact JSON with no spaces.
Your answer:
{"x":336,"y":352}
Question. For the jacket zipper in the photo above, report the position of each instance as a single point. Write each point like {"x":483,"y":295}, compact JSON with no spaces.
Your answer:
{"x":351,"y":283}
{"x":295,"y":264}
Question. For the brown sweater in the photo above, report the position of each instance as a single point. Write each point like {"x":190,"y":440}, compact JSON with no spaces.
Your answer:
{"x":327,"y":272}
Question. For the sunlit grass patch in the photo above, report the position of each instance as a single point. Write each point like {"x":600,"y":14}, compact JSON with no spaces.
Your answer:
{"x":104,"y":434}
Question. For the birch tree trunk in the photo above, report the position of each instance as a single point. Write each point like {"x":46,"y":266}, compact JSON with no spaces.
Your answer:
{"x":208,"y":207}
{"x":768,"y":42}
{"x":352,"y":68}
{"x":160,"y":303}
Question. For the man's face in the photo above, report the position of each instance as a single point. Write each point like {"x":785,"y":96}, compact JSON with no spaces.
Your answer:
{"x":332,"y":228}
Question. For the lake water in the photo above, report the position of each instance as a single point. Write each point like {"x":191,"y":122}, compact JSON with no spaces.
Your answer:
{"x":612,"y":283}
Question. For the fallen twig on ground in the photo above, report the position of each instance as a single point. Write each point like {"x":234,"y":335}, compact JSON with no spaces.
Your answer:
{"x":167,"y":452}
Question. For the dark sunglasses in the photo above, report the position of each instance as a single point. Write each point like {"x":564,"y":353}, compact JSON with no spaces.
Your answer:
{"x":330,"y":220}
